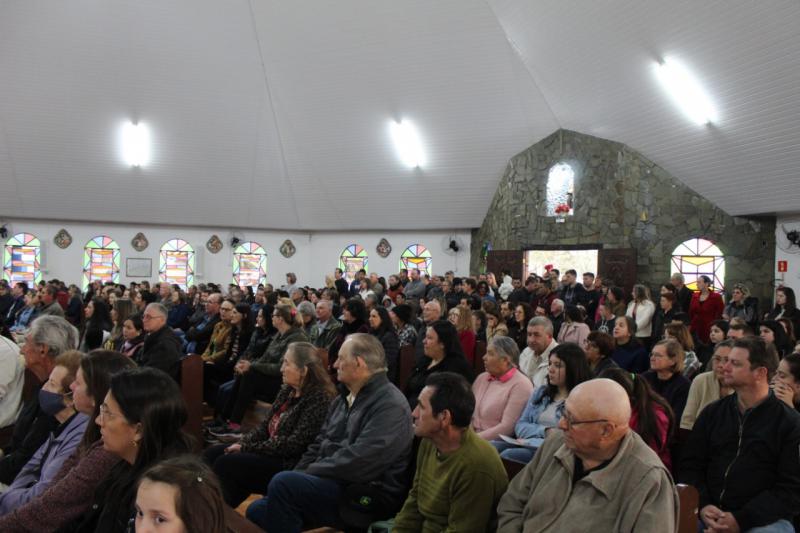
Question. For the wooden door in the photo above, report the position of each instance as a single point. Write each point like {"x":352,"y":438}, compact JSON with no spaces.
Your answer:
{"x":617,"y":267}
{"x":511,"y":260}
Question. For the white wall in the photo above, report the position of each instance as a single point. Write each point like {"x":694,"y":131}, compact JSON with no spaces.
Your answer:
{"x":317,"y":253}
{"x":791,"y":278}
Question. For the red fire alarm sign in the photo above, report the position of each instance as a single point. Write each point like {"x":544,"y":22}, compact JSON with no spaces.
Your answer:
{"x":783,"y":266}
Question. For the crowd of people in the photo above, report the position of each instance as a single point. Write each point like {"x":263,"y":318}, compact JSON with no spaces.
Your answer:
{"x":603,"y":399}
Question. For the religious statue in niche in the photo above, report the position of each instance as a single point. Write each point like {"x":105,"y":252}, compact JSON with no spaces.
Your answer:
{"x":383,"y":248}
{"x":139,"y":242}
{"x":63,"y":239}
{"x":214,"y":244}
{"x":287,"y":249}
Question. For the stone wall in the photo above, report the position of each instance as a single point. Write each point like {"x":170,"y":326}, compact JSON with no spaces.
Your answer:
{"x":622,"y":200}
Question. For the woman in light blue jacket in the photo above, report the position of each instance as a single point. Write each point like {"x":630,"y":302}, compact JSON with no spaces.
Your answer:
{"x":55,"y":400}
{"x":567,"y":368}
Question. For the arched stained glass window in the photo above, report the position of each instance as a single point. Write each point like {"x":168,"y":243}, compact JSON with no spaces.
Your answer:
{"x":176,"y":263}
{"x":416,"y":256}
{"x":697,"y":257}
{"x":560,"y":190}
{"x":353,"y":258}
{"x":249,"y":264}
{"x":101,"y":260}
{"x":21,"y":259}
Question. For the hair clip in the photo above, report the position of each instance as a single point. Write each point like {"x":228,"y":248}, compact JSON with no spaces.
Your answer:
{"x":199,"y":479}
{"x":633,"y":376}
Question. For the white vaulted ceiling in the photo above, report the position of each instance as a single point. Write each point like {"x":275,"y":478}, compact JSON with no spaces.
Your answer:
{"x":274,"y":114}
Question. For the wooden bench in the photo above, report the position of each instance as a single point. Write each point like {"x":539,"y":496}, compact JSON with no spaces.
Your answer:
{"x":192,"y":392}
{"x":477,"y":363}
{"x":405,"y":366}
{"x":689,"y":500}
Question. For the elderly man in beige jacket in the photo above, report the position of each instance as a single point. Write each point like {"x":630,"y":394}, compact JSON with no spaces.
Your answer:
{"x":593,"y":475}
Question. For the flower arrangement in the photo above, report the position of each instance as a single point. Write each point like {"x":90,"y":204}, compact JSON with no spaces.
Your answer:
{"x":562,"y":209}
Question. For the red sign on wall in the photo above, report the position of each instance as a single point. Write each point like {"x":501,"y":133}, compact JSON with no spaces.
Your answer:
{"x":783,"y":266}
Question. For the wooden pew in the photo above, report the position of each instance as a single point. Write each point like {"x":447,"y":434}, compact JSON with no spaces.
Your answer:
{"x":192,"y":392}
{"x":405,"y":366}
{"x":477,"y":364}
{"x":689,"y":501}
{"x":512,"y":467}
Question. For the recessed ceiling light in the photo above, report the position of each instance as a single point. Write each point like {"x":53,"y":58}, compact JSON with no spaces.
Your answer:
{"x":408,"y":144}
{"x":685,"y":91}
{"x":136,"y":144}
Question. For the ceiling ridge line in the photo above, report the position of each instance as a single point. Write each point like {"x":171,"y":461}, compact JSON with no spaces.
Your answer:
{"x":271,"y":102}
{"x":518,"y":55}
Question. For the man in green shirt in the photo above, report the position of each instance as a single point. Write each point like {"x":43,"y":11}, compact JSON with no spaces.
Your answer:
{"x":459,"y":477}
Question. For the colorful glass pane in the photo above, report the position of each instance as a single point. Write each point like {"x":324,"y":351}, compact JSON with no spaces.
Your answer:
{"x":101,"y":260}
{"x":352,"y":259}
{"x":176,"y":263}
{"x":21,"y":259}
{"x":698,"y":257}
{"x":249,"y":264}
{"x":417,"y":257}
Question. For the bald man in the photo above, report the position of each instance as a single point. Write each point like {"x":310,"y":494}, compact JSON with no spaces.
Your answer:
{"x":593,"y":475}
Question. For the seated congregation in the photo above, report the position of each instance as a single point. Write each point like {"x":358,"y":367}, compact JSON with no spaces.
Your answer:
{"x":421,"y":403}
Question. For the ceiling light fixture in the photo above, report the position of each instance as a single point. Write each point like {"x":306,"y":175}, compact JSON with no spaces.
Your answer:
{"x":408,"y":144}
{"x":136,"y":144}
{"x":685,"y":91}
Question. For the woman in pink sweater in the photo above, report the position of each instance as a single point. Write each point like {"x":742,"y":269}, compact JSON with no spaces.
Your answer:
{"x":501,"y":392}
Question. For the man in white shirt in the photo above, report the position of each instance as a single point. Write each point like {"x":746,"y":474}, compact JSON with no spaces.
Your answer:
{"x":534,"y":359}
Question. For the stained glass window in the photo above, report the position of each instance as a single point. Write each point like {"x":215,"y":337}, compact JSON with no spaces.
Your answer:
{"x":416,"y":256}
{"x":353,"y":258}
{"x":101,"y":260}
{"x":560,"y":190}
{"x":176,"y":263}
{"x":23,"y":253}
{"x":249,"y":264}
{"x":697,"y":257}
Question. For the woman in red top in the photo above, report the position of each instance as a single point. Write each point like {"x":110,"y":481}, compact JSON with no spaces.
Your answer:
{"x":461,"y":318}
{"x":705,"y":308}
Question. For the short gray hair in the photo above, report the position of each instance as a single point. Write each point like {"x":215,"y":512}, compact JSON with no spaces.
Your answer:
{"x":559,"y":302}
{"x":370,"y":349}
{"x":541,"y":321}
{"x":56,"y":333}
{"x":506,"y":347}
{"x":158,"y":308}
{"x":306,"y":308}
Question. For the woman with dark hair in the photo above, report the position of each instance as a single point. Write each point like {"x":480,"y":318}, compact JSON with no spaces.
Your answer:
{"x":140,"y":422}
{"x":567,"y":368}
{"x":629,"y":353}
{"x":518,"y":327}
{"x":667,"y":309}
{"x":495,"y":325}
{"x":785,"y":306}
{"x":403,"y":317}
{"x":96,"y":326}
{"x":262,"y":333}
{"x":788,"y":327}
{"x":666,"y":374}
{"x":706,"y":307}
{"x":220,"y":371}
{"x":717,"y":334}
{"x":443,"y":353}
{"x":380,"y":326}
{"x":70,"y":496}
{"x":479,"y":323}
{"x":291,"y":425}
{"x":180,"y":495}
{"x":354,"y":320}
{"x":773,"y":333}
{"x":599,"y":347}
{"x":133,"y":337}
{"x":786,"y":383}
{"x":573,"y":329}
{"x":616,"y":297}
{"x":179,"y":311}
{"x":122,"y":309}
{"x":651,"y":416}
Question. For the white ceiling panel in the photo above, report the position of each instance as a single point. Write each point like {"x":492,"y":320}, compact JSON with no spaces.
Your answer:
{"x":274,"y":114}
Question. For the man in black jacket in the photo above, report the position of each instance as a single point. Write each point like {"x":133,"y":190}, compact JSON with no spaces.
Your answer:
{"x":358,"y":463}
{"x":199,"y":335}
{"x":742,"y":454}
{"x":162,"y":348}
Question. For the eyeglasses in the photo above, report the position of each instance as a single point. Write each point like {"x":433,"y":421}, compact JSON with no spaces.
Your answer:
{"x":567,"y":417}
{"x":106,"y":413}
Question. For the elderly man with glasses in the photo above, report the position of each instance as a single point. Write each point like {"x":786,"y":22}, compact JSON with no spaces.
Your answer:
{"x":593,"y":474}
{"x":162,"y":348}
